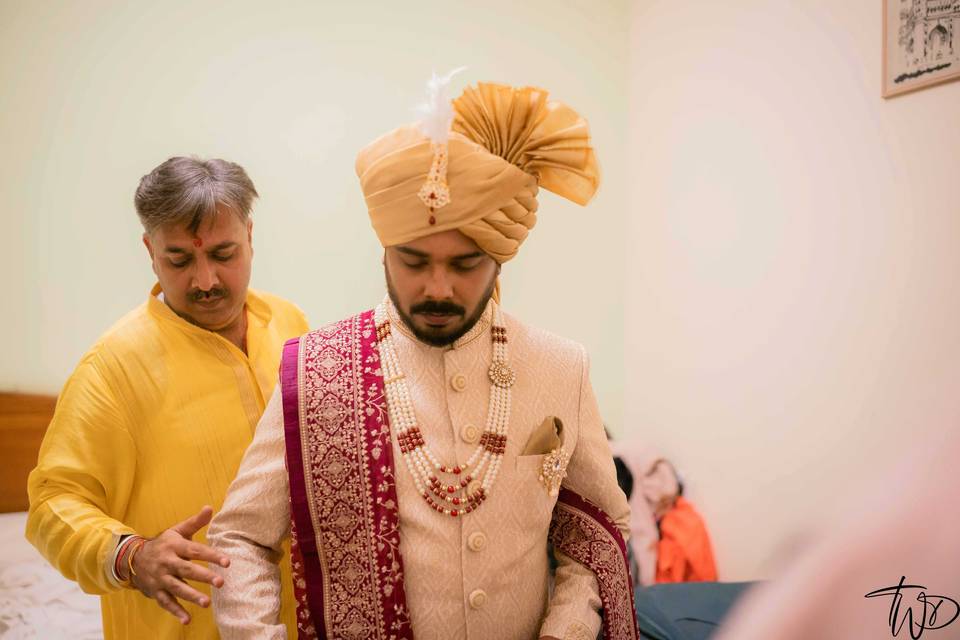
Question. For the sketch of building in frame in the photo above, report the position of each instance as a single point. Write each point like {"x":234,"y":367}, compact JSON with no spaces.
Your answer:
{"x":921,"y":44}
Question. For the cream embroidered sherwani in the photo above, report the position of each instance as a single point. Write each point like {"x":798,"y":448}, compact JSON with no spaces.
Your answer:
{"x":482,"y":576}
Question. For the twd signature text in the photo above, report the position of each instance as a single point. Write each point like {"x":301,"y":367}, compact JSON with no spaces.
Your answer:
{"x":925,"y":612}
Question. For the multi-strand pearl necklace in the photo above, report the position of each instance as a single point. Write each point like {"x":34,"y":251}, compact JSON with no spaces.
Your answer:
{"x":463,"y":495}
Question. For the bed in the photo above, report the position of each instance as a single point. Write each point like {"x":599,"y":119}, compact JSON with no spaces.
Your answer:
{"x":35,"y":600}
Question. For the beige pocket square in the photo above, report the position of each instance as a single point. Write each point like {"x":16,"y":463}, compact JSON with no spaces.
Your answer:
{"x":547,"y":441}
{"x":544,"y":438}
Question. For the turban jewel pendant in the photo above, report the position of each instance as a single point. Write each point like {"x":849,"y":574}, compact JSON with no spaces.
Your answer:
{"x":437,"y":114}
{"x":435,"y":193}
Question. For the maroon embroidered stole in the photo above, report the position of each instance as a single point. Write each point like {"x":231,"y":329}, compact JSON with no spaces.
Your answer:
{"x":582,"y":531}
{"x":347,"y":569}
{"x":348,"y":574}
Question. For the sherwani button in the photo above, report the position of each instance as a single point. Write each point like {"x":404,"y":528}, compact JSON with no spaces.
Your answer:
{"x":458,"y":382}
{"x":470,"y":434}
{"x":477,"y":541}
{"x":478,"y":598}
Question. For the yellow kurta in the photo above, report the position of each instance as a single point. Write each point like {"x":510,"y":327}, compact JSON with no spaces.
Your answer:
{"x":150,"y":427}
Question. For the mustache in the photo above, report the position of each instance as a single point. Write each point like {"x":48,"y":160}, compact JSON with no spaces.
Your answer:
{"x":439,"y":308}
{"x":197,"y":295}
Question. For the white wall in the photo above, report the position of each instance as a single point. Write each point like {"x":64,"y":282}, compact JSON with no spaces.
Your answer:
{"x":793,"y":299}
{"x":95,"y":94}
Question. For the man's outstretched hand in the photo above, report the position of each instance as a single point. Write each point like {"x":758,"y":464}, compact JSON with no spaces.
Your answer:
{"x":163,"y":564}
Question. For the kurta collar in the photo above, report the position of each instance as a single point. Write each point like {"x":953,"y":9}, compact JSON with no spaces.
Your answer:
{"x":256,"y":307}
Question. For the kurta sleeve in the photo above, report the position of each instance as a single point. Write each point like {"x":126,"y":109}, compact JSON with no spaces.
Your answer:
{"x":573,"y":612}
{"x":250,"y":529}
{"x":84,"y":472}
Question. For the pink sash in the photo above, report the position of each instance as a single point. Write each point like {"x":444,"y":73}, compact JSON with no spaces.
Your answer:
{"x":347,"y":569}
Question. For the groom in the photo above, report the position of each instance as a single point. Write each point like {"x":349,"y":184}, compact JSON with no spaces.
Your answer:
{"x":421,"y":455}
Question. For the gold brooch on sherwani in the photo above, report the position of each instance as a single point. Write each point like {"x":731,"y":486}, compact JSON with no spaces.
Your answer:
{"x":546,"y":440}
{"x":554,"y":470}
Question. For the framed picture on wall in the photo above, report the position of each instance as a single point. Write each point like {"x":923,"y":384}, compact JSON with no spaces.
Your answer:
{"x":921,"y":44}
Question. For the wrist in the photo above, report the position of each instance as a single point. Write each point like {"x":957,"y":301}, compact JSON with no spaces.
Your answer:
{"x":121,"y":566}
{"x":131,"y":555}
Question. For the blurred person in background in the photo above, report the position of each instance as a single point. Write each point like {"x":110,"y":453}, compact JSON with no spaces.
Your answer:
{"x":889,"y":565}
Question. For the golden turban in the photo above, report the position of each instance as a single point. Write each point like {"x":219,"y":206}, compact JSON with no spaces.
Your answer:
{"x":504,"y":143}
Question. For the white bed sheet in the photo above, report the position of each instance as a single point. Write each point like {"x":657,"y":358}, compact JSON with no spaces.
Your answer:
{"x":35,"y":600}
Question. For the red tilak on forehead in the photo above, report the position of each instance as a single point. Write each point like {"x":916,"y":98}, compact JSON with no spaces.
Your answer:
{"x":197,"y":242}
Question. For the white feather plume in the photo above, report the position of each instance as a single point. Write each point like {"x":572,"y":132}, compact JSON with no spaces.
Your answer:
{"x":437,"y":112}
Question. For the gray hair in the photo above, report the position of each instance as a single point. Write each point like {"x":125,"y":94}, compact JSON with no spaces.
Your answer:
{"x":188,"y":191}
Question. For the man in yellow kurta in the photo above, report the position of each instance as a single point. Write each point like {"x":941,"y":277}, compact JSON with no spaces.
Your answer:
{"x":421,"y":455}
{"x":151,"y":427}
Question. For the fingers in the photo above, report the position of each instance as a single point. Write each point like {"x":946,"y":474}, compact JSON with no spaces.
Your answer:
{"x":198,"y":551}
{"x":182,"y":590}
{"x":163,"y":563}
{"x":189,"y":527}
{"x":171,"y":555}
{"x":198,"y":573}
{"x":170,"y":604}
